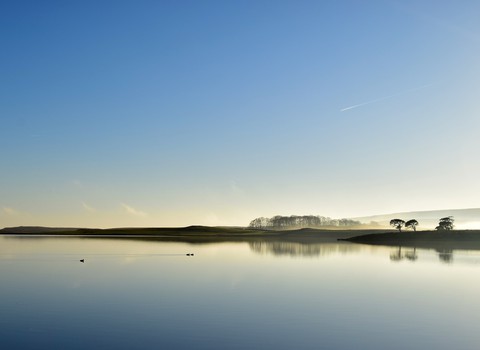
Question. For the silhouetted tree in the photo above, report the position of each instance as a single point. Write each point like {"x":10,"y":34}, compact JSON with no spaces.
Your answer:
{"x":412,"y":224}
{"x":259,"y":223}
{"x":445,"y":224}
{"x":294,"y":221}
{"x":397,"y":223}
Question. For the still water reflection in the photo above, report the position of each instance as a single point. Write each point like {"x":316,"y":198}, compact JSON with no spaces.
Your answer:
{"x":445,"y":255}
{"x":301,"y":249}
{"x":238,"y":295}
{"x":294,"y":249}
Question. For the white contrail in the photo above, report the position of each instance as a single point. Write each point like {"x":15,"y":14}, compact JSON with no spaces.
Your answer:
{"x":384,"y":98}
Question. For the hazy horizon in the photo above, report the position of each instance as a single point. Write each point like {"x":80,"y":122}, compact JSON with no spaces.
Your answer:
{"x":215,"y":113}
{"x":465,"y":219}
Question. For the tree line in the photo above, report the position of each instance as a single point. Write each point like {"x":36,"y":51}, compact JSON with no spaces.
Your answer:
{"x":294,"y":221}
{"x":445,"y":224}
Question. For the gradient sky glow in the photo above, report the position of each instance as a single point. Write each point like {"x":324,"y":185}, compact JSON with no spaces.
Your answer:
{"x":171,"y":113}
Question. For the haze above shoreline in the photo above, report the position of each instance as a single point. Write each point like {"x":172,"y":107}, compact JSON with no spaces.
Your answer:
{"x":468,"y":218}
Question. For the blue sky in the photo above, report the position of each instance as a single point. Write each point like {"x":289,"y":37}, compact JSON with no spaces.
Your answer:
{"x":166,"y":113}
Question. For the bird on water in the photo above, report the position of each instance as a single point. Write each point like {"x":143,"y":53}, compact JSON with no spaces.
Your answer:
{"x":82,"y":260}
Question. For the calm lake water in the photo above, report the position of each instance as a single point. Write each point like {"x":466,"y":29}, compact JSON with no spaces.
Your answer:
{"x":133,"y":294}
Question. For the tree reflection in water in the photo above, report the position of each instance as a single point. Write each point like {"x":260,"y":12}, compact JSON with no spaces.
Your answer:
{"x":396,"y":255}
{"x":409,"y":255}
{"x":445,"y":255}
{"x":300,"y":249}
{"x":412,"y":254}
{"x":294,"y":249}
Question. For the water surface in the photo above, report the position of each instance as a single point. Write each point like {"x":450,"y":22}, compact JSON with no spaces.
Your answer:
{"x":235,"y":295}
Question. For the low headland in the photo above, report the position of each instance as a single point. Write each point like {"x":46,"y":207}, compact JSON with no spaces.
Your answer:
{"x":453,"y":239}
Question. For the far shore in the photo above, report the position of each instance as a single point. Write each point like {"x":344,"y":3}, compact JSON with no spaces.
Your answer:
{"x":193,"y":234}
{"x":455,"y":239}
{"x":189,"y":230}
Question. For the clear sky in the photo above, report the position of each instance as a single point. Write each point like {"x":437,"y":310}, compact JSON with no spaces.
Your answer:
{"x":171,"y":113}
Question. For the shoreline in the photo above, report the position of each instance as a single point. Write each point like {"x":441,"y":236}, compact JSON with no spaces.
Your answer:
{"x":454,"y":239}
{"x":197,"y":234}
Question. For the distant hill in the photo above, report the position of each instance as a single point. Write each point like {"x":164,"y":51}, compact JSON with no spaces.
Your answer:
{"x":464,"y":218}
{"x":35,"y":229}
